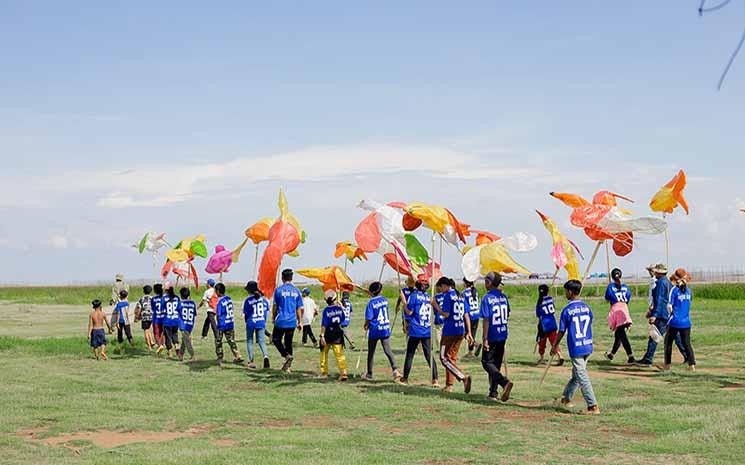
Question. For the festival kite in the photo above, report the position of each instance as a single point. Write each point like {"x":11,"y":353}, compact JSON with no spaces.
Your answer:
{"x":179,"y":259}
{"x":562,"y":251}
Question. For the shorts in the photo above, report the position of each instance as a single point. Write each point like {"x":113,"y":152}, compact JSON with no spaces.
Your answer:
{"x":98,"y":338}
{"x":146,"y":325}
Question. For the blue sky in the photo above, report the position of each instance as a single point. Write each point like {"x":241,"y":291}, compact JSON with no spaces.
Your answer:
{"x":187,"y":117}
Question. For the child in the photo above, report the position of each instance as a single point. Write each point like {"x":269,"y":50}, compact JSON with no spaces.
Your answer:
{"x":680,"y":318}
{"x":225,"y":324}
{"x":96,"y":333}
{"x":378,"y":327}
{"x":472,"y":313}
{"x":495,"y":311}
{"x":310,"y":310}
{"x":402,"y":301}
{"x":159,"y":314}
{"x":187,"y":316}
{"x":122,"y":319}
{"x":576,"y":321}
{"x":255,"y":310}
{"x":332,"y":336}
{"x":210,"y":299}
{"x":347,"y":305}
{"x":418,"y":310}
{"x":453,"y":328}
{"x":144,"y":311}
{"x":545,"y":311}
{"x":438,"y":318}
{"x":171,"y":320}
{"x":619,"y":320}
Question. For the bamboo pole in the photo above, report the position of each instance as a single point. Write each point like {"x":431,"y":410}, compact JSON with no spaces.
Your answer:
{"x":607,"y":258}
{"x":592,"y":260}
{"x":545,"y":372}
{"x":256,"y":263}
{"x":433,"y":333}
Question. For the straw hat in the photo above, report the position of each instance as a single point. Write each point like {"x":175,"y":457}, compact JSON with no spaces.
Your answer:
{"x":660,"y":268}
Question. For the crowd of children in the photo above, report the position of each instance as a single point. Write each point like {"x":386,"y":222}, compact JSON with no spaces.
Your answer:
{"x":165,"y":316}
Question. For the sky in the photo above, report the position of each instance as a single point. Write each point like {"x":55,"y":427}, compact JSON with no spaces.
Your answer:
{"x":187,"y":117}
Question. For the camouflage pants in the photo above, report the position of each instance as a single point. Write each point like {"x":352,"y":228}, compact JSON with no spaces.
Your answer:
{"x":229,"y":336}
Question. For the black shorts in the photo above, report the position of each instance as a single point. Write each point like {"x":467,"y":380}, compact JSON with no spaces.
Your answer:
{"x":146,"y":324}
{"x":98,"y":338}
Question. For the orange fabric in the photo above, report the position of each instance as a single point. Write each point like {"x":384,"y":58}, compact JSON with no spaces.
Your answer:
{"x":367,"y":234}
{"x":670,"y":195}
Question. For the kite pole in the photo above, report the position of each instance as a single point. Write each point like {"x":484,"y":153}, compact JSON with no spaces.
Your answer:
{"x":545,"y":372}
{"x":667,"y":243}
{"x":553,"y":280}
{"x":432,"y":308}
{"x":398,"y":290}
{"x":607,"y":258}
{"x":380,"y":277}
{"x":256,"y":262}
{"x":592,"y":260}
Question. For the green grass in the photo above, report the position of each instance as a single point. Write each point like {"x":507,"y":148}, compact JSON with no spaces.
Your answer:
{"x":53,"y":384}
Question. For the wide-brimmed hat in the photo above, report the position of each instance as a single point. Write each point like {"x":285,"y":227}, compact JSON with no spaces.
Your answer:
{"x":660,"y":268}
{"x":330,"y":294}
{"x":681,"y":275}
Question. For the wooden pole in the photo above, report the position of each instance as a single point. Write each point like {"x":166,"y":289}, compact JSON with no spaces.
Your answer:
{"x":553,"y":280}
{"x":592,"y":260}
{"x":545,"y":372}
{"x":607,"y":258}
{"x":433,"y":333}
{"x":398,"y":290}
{"x":382,"y":267}
{"x":667,"y":244}
{"x":256,"y":263}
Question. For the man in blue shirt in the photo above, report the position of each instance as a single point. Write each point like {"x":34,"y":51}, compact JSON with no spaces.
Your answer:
{"x":576,"y":322}
{"x":346,"y":304}
{"x":287,"y":315}
{"x":225,"y":324}
{"x":255,"y":310}
{"x":495,"y":310}
{"x":658,"y":315}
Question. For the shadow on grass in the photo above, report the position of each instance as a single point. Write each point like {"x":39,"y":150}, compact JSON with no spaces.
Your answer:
{"x":201,"y":365}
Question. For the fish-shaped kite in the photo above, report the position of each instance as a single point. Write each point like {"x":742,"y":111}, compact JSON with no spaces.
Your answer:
{"x":670,"y":196}
{"x":563,"y":250}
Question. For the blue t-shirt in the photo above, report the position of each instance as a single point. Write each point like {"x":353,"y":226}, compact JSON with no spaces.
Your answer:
{"x":681,"y":302}
{"x":495,"y":308}
{"x":419,"y":322}
{"x":471,"y":303}
{"x":377,"y":314}
{"x":120,"y":306}
{"x":545,"y":311}
{"x":615,"y":295}
{"x":661,"y":297}
{"x":187,"y":315}
{"x":255,"y":310}
{"x":439,"y":298}
{"x":576,"y":322}
{"x":288,"y":299}
{"x":452,"y":304}
{"x":347,"y":313}
{"x":224,"y":310}
{"x":159,"y":310}
{"x":171,"y":305}
{"x":407,"y":293}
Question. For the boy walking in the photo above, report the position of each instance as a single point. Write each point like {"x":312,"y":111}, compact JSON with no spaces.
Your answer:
{"x":332,"y":336}
{"x":144,"y":311}
{"x":576,"y":321}
{"x":287,"y":314}
{"x":159,"y":314}
{"x":121,"y":311}
{"x":225,"y":325}
{"x":210,"y":299}
{"x":495,"y":310}
{"x":310,"y":310}
{"x":96,"y":333}
{"x":346,"y":304}
{"x":187,"y":317}
{"x":255,"y":310}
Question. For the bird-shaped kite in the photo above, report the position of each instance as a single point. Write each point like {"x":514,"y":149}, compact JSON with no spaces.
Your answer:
{"x":180,"y":258}
{"x":562,"y":252}
{"x":222,"y":259}
{"x":285,"y":235}
{"x":604,"y":220}
{"x":331,"y":277}
{"x":350,"y":251}
{"x":438,"y":219}
{"x":670,"y":196}
{"x":478,"y":261}
{"x":151,"y":242}
{"x":518,"y":242}
{"x":258,"y":233}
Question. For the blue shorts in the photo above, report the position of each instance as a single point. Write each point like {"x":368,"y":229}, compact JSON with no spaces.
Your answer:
{"x":98,"y":338}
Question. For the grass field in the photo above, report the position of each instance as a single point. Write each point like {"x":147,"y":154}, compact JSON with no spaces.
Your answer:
{"x":60,"y":406}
